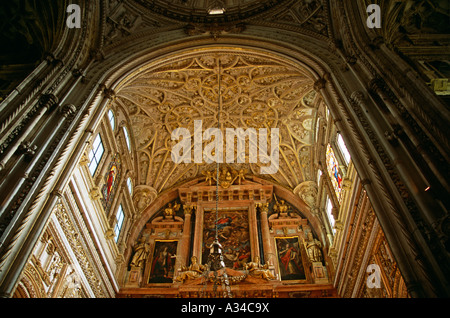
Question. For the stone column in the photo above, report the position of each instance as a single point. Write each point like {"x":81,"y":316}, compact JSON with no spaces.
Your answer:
{"x":46,"y":101}
{"x":253,"y":230}
{"x":198,"y":238}
{"x":31,"y":212}
{"x":395,"y":218}
{"x":269,"y":251}
{"x":403,"y":137}
{"x":185,"y":238}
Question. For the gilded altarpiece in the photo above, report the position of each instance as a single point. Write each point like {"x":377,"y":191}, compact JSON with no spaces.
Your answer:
{"x":269,"y":248}
{"x":154,"y":258}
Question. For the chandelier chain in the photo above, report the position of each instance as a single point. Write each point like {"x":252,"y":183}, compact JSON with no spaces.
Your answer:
{"x":219,"y":105}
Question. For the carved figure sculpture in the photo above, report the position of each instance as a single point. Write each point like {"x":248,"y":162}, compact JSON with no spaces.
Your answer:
{"x":255,"y":269}
{"x":141,"y":251}
{"x":313,"y":248}
{"x":194,"y":271}
{"x":171,"y":210}
{"x":208,"y":176}
{"x":281,"y":207}
{"x":241,"y":176}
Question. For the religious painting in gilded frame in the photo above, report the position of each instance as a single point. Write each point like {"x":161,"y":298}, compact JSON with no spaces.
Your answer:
{"x":290,"y":264}
{"x":163,"y":262}
{"x":233,"y":233}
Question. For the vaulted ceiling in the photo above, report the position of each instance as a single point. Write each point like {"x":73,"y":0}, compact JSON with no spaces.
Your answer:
{"x":196,"y":10}
{"x":29,"y":30}
{"x":258,"y":90}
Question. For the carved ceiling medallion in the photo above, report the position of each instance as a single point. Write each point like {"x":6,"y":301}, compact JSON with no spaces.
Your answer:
{"x":257,"y":91}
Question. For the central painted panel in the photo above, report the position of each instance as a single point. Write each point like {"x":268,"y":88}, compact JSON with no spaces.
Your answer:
{"x":233,"y":233}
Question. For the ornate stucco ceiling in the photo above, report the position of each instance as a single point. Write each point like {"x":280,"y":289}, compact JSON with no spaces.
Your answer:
{"x":197,"y":10}
{"x":257,"y":90}
{"x":127,"y":17}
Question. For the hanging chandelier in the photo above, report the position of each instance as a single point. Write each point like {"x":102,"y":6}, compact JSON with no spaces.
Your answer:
{"x":215,"y":261}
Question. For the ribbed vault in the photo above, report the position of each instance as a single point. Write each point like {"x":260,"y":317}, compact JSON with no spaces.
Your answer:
{"x":258,"y":90}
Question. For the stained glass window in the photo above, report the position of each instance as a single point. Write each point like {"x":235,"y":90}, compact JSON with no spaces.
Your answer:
{"x":111,"y":181}
{"x":334,"y":172}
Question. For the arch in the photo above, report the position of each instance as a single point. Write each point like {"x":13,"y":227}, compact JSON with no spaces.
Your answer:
{"x":347,"y":97}
{"x":172,"y":194}
{"x":153,"y":212}
{"x":116,"y":77}
{"x":345,"y":94}
{"x":30,"y":285}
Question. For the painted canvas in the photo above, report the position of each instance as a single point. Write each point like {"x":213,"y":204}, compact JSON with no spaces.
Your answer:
{"x":233,"y":233}
{"x":163,"y":262}
{"x":289,"y":258}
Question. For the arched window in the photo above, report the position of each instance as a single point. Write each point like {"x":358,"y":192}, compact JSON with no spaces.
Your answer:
{"x":334,"y":171}
{"x":343,"y":148}
{"x":112,"y":119}
{"x":329,"y":208}
{"x":95,"y":155}
{"x":120,"y":216}
{"x":317,"y":129}
{"x":127,"y":137}
{"x":130,"y":186}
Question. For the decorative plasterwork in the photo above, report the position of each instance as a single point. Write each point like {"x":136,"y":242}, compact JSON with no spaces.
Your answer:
{"x":238,"y":189}
{"x":196,"y":10}
{"x":311,"y":16}
{"x":79,"y":249}
{"x":258,"y":91}
{"x":128,"y":20}
{"x":409,"y":23}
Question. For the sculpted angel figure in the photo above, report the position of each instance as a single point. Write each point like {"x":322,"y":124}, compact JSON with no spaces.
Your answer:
{"x":241,"y":176}
{"x":281,"y":207}
{"x":208,"y":176}
{"x":171,"y":210}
